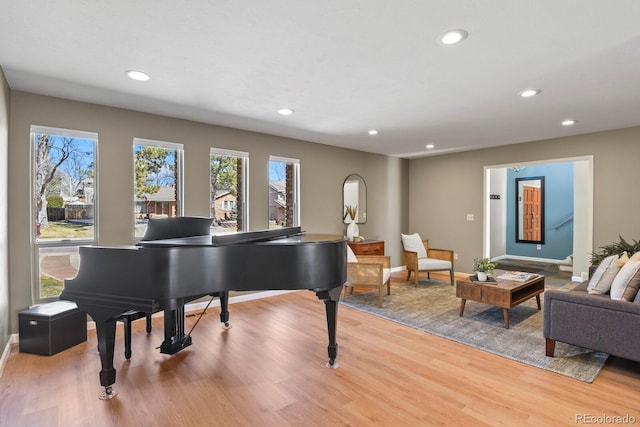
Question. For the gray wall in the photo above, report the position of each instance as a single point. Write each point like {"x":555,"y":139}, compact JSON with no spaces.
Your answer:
{"x":4,"y":222}
{"x":443,"y":189}
{"x":323,"y":170}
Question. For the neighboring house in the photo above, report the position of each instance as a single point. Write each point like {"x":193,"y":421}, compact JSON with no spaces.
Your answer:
{"x":162,"y":203}
{"x":224,"y":205}
{"x":277,"y":201}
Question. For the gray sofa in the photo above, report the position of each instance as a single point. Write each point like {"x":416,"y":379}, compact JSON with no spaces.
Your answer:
{"x":591,"y":321}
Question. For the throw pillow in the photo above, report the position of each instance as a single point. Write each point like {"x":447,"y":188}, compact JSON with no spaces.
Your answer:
{"x":635,"y":257}
{"x":604,"y":275}
{"x":413,"y":243}
{"x":626,"y":284}
{"x":623,"y":259}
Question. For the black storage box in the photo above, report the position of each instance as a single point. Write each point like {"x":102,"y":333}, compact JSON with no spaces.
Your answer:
{"x":50,"y":328}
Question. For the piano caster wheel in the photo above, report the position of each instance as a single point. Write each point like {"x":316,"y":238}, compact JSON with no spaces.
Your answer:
{"x":332,"y":364}
{"x":108,"y":393}
{"x":226,"y":326}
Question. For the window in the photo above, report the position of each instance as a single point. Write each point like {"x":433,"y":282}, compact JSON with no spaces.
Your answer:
{"x":157,"y":181}
{"x":284,"y":184}
{"x":63,"y":205}
{"x":228,"y":177}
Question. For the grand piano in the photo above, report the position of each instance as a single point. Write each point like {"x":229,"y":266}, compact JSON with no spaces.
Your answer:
{"x":179,"y":261}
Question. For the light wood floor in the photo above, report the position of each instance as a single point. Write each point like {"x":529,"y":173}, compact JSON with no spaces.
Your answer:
{"x":269,"y":370}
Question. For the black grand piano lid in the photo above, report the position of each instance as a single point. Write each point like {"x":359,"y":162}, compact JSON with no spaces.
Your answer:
{"x":192,"y":230}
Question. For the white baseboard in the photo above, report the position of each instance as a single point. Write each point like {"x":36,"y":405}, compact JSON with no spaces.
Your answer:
{"x":528,"y":258}
{"x":236,"y":299}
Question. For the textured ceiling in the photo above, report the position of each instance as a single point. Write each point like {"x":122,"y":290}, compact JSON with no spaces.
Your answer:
{"x":344,"y":66}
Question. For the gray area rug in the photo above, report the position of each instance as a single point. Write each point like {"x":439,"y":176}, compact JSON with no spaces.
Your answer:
{"x":434,"y":308}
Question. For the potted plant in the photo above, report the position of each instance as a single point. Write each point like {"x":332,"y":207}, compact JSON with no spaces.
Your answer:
{"x":483,"y":267}
{"x":615,"y":248}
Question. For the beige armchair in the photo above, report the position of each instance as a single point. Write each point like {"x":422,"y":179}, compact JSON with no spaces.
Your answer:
{"x":368,"y":271}
{"x":419,"y":257}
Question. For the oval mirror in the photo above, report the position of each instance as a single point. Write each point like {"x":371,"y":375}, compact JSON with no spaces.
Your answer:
{"x":354,"y":200}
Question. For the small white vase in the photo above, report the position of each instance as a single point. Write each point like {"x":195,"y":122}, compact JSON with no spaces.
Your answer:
{"x":482,"y":276}
{"x":352,"y":230}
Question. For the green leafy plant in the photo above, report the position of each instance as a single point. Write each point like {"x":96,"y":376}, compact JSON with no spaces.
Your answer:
{"x":616,"y":248}
{"x":483,"y":265}
{"x":55,"y":202}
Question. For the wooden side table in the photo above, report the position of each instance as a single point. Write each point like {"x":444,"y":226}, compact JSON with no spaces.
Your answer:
{"x":367,"y":247}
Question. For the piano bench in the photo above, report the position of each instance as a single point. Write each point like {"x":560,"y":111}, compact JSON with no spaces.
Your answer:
{"x":126,"y":318}
{"x":48,"y":329}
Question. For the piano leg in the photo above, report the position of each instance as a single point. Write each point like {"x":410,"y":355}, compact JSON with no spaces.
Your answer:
{"x":106,"y":331}
{"x":224,"y":309}
{"x":148,"y":317}
{"x":126,"y":320}
{"x":174,"y":337}
{"x":330,"y":299}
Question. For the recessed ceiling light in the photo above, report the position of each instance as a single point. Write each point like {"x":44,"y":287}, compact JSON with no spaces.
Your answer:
{"x":138,"y":75}
{"x":285,"y":111}
{"x":569,"y":122}
{"x":373,"y":132}
{"x":429,"y":146}
{"x":527,"y":93}
{"x":453,"y":36}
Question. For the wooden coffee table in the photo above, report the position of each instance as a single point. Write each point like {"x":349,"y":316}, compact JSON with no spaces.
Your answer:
{"x":504,"y":293}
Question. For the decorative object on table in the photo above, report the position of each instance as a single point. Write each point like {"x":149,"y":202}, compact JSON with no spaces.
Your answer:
{"x":517,"y":276}
{"x":352,"y":229}
{"x":483,"y":267}
{"x":488,"y":279}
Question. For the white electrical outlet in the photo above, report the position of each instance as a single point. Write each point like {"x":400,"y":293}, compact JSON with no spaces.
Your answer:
{"x":455,"y":256}
{"x":469,"y":217}
{"x":539,"y":247}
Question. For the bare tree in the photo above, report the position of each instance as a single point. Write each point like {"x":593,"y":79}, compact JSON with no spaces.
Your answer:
{"x":46,"y":168}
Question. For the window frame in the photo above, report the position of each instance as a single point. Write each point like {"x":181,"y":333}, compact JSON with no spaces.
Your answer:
{"x":296,"y":186}
{"x":244,"y":188}
{"x":179,"y":148}
{"x":37,"y":245}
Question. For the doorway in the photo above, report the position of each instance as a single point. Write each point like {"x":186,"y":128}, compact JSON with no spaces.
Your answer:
{"x":499,"y":203}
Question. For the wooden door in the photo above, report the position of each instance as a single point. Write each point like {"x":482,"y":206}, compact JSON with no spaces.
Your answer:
{"x":531,"y":209}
